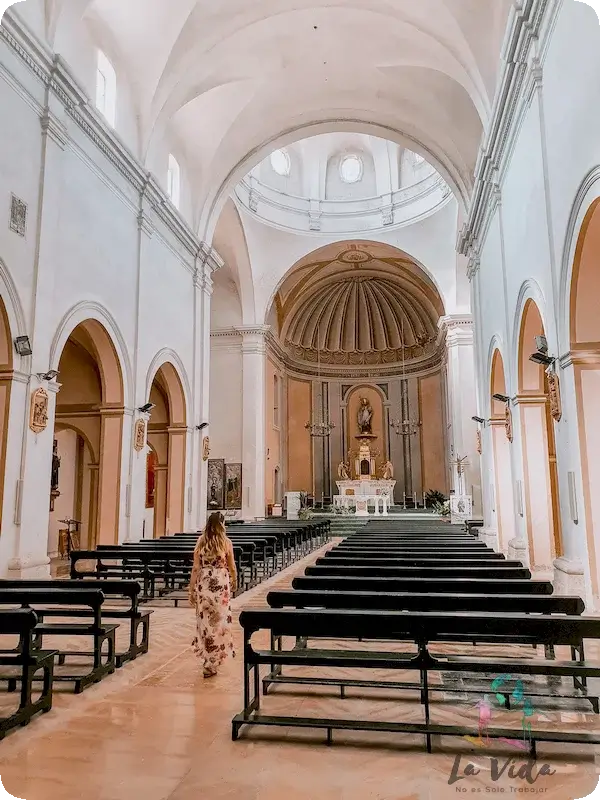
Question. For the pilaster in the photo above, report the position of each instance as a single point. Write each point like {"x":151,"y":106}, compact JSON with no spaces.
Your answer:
{"x":254,"y":354}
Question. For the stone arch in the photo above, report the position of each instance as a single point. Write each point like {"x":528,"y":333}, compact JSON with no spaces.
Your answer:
{"x":538,"y":445}
{"x":6,"y":378}
{"x":89,"y":421}
{"x":167,"y":436}
{"x":110,"y":345}
{"x":584,"y":359}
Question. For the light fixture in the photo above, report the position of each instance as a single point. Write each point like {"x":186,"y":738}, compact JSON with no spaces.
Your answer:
{"x":48,"y":376}
{"x":201,"y":426}
{"x":501,"y":398}
{"x":405,"y":426}
{"x":146,"y":408}
{"x":23,"y":346}
{"x":480,"y":420}
{"x":542,"y":358}
{"x":320,"y":427}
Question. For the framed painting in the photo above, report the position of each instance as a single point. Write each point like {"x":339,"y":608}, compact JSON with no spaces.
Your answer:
{"x":233,"y":486}
{"x":216,"y":484}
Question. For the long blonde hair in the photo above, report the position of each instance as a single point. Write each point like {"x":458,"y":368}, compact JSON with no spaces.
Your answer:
{"x":213,"y":541}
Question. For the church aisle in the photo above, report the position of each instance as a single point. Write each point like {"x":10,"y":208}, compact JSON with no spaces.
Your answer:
{"x":158,"y":731}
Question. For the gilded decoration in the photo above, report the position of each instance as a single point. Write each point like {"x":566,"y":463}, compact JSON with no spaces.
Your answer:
{"x":508,"y":424}
{"x":479,"y":446}
{"x":205,"y":448}
{"x":140,"y":435}
{"x":38,"y":417}
{"x":554,"y":395}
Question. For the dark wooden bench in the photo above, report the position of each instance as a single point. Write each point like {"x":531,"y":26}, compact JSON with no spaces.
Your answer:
{"x":367,"y":571}
{"x":78,"y":604}
{"x":448,"y":555}
{"x":24,"y":662}
{"x":423,"y":585}
{"x":422,"y":628}
{"x":138,"y":618}
{"x":401,"y":561}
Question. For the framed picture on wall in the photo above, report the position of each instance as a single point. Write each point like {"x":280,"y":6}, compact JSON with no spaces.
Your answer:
{"x":216,"y":484}
{"x":233,"y":486}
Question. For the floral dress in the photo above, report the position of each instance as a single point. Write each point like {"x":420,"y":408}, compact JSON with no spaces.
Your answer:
{"x":214,"y":639}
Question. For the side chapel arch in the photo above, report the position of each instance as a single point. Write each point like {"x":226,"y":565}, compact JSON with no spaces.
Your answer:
{"x":539,"y":446}
{"x":501,"y":433}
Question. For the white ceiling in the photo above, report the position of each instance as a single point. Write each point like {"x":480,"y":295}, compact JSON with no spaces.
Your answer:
{"x":234,"y":79}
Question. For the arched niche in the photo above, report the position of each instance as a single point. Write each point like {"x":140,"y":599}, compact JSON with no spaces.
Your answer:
{"x":88,"y":433}
{"x":538,"y":446}
{"x":167,"y":437}
{"x":584,"y":327}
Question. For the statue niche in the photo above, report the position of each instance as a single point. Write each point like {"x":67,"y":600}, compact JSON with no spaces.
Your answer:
{"x":365,"y":417}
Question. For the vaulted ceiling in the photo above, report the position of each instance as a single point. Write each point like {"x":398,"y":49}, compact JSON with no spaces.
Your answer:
{"x":234,"y":79}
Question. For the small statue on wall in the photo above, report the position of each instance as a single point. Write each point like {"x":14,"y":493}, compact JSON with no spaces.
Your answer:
{"x":365,"y":417}
{"x":554,"y":394}
{"x":508,"y":424}
{"x":55,"y":467}
{"x":387,"y":471}
{"x":38,"y":418}
{"x":205,"y":448}
{"x":140,"y":435}
{"x":343,"y":471}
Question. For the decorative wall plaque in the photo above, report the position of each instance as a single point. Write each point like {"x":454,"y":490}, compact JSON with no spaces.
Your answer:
{"x":38,"y":417}
{"x":508,"y":424}
{"x":140,"y":435}
{"x":205,"y":448}
{"x":479,"y":445}
{"x":18,"y":215}
{"x":554,"y":394}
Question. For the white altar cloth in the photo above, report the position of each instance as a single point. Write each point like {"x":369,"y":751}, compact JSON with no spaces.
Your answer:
{"x":362,"y":503}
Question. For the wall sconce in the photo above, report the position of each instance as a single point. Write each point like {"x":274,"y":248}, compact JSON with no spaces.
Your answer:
{"x":47,"y":376}
{"x":541,"y":353}
{"x":501,"y":398}
{"x":23,"y":346}
{"x":146,"y":408}
{"x":480,"y":421}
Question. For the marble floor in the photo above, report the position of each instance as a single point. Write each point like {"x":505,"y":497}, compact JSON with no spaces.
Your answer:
{"x":156,"y":730}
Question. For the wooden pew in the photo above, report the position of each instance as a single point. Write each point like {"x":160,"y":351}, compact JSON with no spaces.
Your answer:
{"x":448,"y":555}
{"x":422,"y":628}
{"x":101,"y":634}
{"x":393,"y":561}
{"x":25,"y":662}
{"x":423,"y":585}
{"x":361,"y":570}
{"x":137,"y":618}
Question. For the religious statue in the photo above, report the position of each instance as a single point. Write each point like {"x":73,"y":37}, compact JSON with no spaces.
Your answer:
{"x":508,"y":424}
{"x":55,"y":467}
{"x":205,"y":448}
{"x":365,"y":417}
{"x":140,"y":435}
{"x":387,"y":471}
{"x":343,"y":473}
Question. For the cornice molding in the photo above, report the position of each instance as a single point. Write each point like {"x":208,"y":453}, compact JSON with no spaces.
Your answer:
{"x":57,"y":78}
{"x":521,"y":75}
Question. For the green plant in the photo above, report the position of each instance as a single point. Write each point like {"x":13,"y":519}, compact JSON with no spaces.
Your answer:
{"x":305,"y":513}
{"x":434,"y":496}
{"x":441,"y":508}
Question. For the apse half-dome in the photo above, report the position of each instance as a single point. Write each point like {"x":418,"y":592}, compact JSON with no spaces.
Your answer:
{"x":361,"y":309}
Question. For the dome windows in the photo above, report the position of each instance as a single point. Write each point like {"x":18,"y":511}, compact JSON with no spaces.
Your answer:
{"x":418,"y":160}
{"x":281,"y":163}
{"x":351,"y":169}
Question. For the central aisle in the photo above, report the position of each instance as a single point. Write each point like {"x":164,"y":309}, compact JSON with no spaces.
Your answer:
{"x":158,"y":731}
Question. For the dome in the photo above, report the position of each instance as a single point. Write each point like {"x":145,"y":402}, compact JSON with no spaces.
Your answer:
{"x":360,"y":310}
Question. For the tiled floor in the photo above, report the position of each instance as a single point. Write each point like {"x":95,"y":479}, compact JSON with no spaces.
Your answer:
{"x":156,"y":731}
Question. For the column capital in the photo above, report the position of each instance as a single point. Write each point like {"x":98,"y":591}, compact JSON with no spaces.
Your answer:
{"x":457,"y":328}
{"x":254,"y":338}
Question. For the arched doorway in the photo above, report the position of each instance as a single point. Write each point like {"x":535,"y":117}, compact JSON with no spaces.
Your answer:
{"x":6,"y":375}
{"x":167,"y":437}
{"x":505,"y":512}
{"x":88,"y":434}
{"x":585,"y":356}
{"x":539,"y":447}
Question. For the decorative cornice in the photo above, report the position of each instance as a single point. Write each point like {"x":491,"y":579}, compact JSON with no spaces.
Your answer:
{"x":521,"y":74}
{"x":240,"y":331}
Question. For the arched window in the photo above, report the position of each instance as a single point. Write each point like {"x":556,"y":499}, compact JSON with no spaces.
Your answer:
{"x":281,"y":163}
{"x":418,"y":159}
{"x":275,"y":401}
{"x":351,"y":169}
{"x":106,"y":88}
{"x":173,"y":180}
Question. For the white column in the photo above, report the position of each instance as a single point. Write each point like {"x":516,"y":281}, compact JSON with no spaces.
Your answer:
{"x":29,"y":552}
{"x":254,"y":353}
{"x":210,"y":261}
{"x":462,"y":403}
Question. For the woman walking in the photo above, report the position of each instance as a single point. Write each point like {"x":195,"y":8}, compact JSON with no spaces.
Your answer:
{"x":213,"y":576}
